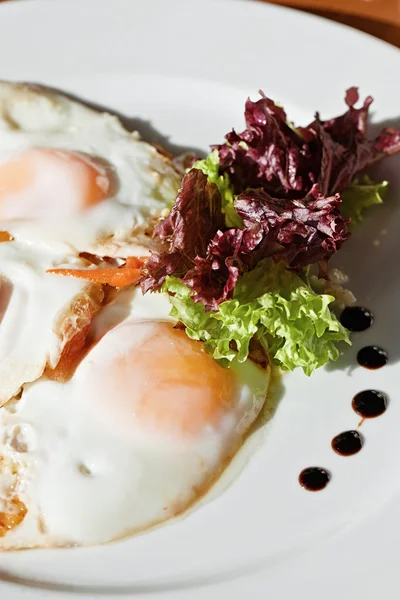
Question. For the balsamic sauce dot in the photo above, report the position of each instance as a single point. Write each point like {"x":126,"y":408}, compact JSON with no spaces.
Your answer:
{"x":348,"y":443}
{"x":314,"y":479}
{"x":356,"y":318}
{"x":367,"y":404}
{"x":370,"y":403}
{"x":372,"y":357}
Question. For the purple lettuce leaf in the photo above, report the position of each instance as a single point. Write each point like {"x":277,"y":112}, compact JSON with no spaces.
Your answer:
{"x":287,"y":183}
{"x":299,"y":232}
{"x":193,"y":221}
{"x":286,"y":162}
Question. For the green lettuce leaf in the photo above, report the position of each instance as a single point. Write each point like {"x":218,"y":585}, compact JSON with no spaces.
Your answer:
{"x":361,"y":193}
{"x":292,"y":321}
{"x":210,"y":167}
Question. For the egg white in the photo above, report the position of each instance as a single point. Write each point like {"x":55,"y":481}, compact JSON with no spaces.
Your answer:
{"x":87,"y":478}
{"x":147,"y":182}
{"x":39,"y":312}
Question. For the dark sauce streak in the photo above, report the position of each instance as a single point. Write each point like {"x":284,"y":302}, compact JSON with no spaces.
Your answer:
{"x":370,"y":403}
{"x":314,"y":479}
{"x":348,"y":443}
{"x":372,"y":357}
{"x":356,"y":318}
{"x":367,"y":404}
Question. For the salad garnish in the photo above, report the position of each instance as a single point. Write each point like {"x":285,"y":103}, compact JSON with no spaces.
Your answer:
{"x":251,"y":223}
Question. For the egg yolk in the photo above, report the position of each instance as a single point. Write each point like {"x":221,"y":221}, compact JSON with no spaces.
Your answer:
{"x":166,"y":382}
{"x":49,"y":182}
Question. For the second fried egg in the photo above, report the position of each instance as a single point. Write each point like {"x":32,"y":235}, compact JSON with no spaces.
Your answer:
{"x":142,"y":429}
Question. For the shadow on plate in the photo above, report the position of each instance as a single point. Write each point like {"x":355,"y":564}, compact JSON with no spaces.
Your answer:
{"x":371,"y":259}
{"x":275,"y":394}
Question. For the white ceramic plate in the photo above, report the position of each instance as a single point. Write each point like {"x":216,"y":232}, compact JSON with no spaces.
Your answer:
{"x":180,"y":71}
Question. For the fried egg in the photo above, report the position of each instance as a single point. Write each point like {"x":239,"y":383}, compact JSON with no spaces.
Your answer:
{"x":40,"y":315}
{"x":147,"y":420}
{"x":145,"y":425}
{"x":75,"y":180}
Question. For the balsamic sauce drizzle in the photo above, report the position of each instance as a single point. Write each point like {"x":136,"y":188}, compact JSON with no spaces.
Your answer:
{"x":372,"y":357}
{"x":314,"y":479}
{"x":356,"y":318}
{"x":347,"y":443}
{"x":368,"y":403}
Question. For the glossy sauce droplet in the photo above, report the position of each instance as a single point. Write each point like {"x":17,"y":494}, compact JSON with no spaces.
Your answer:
{"x":370,"y":403}
{"x":348,"y":443}
{"x":372,"y":357}
{"x":314,"y":479}
{"x":356,"y":318}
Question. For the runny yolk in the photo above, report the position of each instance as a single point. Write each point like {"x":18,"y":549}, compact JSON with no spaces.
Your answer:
{"x":166,"y":382}
{"x":50,"y":182}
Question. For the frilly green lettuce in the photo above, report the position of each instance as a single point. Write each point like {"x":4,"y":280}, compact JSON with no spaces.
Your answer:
{"x":292,"y":321}
{"x":361,"y":193}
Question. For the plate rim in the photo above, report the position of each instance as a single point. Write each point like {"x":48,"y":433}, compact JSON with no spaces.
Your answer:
{"x":238,"y":588}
